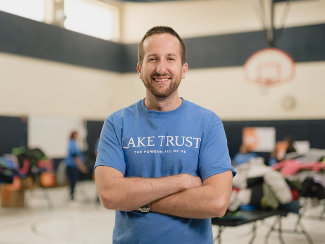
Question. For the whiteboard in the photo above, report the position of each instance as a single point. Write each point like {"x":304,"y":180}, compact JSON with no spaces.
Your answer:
{"x":259,"y":139}
{"x":51,"y":134}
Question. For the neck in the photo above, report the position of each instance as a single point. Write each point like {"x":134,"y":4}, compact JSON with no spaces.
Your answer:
{"x":162,"y":104}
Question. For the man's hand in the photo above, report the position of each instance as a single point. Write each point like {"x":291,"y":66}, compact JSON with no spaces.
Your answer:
{"x":190,"y":181}
{"x":209,"y":200}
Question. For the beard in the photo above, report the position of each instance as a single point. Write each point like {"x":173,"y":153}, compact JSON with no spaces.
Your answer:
{"x":162,"y":93}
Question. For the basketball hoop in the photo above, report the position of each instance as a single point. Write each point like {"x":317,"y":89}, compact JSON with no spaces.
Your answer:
{"x":269,"y":67}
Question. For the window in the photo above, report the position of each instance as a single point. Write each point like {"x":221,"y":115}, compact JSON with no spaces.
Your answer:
{"x":90,"y":18}
{"x":32,"y":9}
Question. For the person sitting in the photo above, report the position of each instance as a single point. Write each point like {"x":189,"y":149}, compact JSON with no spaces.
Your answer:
{"x":273,"y":159}
{"x":243,"y":156}
{"x":290,"y":143}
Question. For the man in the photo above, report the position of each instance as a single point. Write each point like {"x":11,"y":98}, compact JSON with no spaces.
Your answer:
{"x":163,"y":162}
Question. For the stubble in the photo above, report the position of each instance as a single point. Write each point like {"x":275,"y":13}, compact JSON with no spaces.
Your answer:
{"x":166,"y":92}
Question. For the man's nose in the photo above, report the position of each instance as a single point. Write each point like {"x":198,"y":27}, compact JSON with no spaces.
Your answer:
{"x":161,"y":67}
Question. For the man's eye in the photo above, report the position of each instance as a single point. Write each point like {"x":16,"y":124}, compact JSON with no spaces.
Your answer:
{"x":152,"y":59}
{"x":171,"y":59}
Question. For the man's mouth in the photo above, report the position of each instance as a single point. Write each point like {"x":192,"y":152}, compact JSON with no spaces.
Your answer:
{"x":161,"y":80}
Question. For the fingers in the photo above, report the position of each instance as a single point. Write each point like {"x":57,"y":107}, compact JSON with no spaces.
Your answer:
{"x":191,"y":181}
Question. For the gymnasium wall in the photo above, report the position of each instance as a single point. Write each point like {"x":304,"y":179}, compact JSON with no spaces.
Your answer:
{"x":34,"y":86}
{"x":50,"y":71}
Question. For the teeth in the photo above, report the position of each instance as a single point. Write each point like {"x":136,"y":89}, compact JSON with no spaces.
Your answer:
{"x":161,"y":79}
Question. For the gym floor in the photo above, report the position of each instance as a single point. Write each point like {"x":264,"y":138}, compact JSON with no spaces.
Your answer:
{"x":86,"y":221}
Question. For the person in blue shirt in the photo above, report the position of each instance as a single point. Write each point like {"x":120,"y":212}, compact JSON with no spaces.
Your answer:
{"x":74,"y":163}
{"x":96,"y":152}
{"x":243,"y":156}
{"x":96,"y":147}
{"x":273,"y":158}
{"x":163,"y":163}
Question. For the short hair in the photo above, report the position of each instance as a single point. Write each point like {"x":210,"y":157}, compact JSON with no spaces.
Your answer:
{"x":161,"y":30}
{"x":73,"y":134}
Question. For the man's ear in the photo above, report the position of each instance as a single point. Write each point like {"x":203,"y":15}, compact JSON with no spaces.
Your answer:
{"x":184,"y":70}
{"x":139,"y":70}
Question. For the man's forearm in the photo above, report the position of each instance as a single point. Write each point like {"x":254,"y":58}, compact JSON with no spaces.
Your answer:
{"x":129,"y":193}
{"x":205,"y":201}
{"x":193,"y":203}
{"x":121,"y":193}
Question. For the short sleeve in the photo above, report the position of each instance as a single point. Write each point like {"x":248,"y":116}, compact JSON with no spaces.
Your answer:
{"x":214,"y":156}
{"x":110,"y":151}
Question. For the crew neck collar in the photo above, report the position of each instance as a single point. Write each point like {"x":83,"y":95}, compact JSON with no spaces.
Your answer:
{"x":153,"y":113}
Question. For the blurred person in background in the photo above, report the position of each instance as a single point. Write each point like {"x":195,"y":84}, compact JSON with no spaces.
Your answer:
{"x":75,"y":163}
{"x":243,"y":156}
{"x":96,"y":152}
{"x":280,"y":153}
{"x":290,"y":143}
{"x":273,"y":159}
{"x":96,"y":147}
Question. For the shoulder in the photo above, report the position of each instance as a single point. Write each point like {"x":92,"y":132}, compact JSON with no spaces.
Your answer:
{"x":203,"y":113}
{"x":72,"y":142}
{"x":124,"y":113}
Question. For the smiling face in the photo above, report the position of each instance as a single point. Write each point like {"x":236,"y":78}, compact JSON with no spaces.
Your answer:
{"x":161,"y":70}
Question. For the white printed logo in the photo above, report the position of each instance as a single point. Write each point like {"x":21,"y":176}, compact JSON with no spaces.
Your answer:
{"x":162,"y":141}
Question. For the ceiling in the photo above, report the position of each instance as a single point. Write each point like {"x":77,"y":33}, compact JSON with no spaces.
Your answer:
{"x":151,"y":1}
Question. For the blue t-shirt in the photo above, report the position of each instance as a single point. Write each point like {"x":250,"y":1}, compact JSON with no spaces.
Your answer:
{"x":241,"y":158}
{"x":145,"y":143}
{"x":72,"y":152}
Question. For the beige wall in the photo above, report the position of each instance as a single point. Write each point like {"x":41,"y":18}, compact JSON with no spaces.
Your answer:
{"x":211,"y":17}
{"x":34,"y":86}
{"x":225,"y":92}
